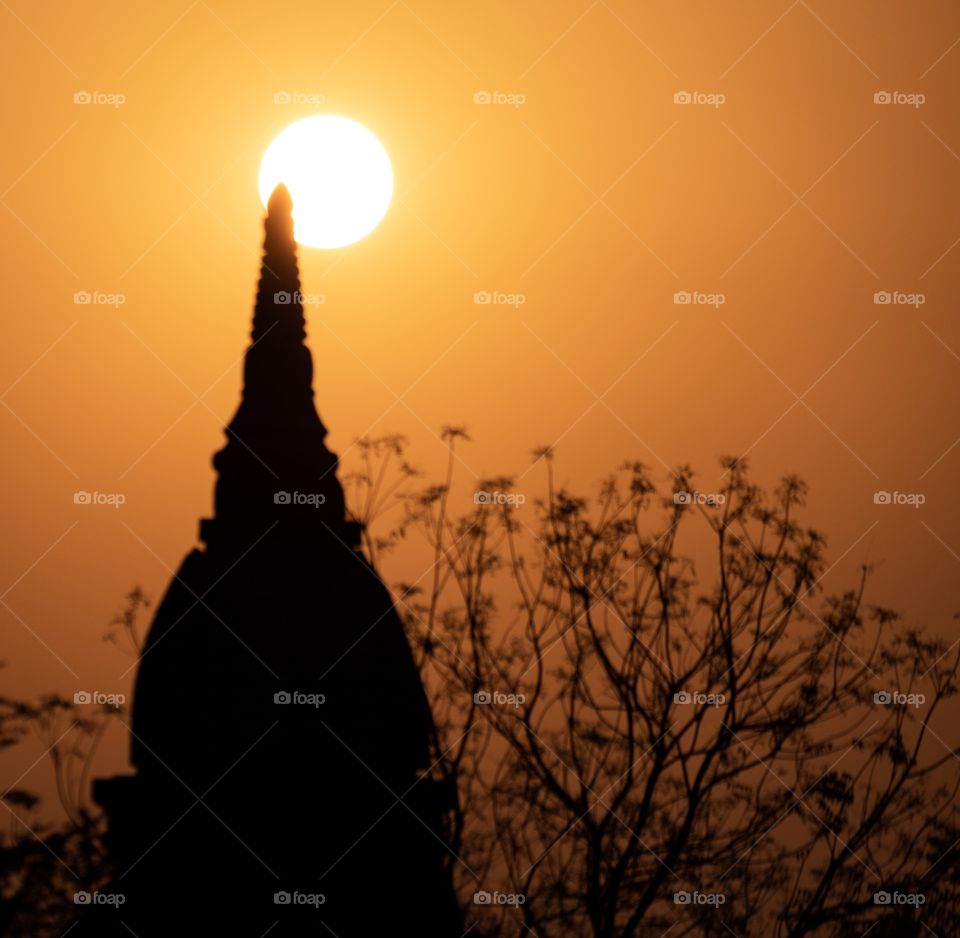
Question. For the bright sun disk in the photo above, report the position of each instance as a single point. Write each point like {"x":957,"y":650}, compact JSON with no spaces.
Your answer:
{"x":339,"y":177}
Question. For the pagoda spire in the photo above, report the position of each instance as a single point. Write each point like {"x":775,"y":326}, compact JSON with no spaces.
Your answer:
{"x":279,"y":328}
{"x":276,"y":465}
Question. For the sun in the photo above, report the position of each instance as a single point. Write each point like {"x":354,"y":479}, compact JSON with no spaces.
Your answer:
{"x":339,"y":177}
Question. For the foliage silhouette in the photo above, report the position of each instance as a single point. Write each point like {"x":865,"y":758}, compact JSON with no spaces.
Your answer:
{"x":44,"y":863}
{"x":595,"y":793}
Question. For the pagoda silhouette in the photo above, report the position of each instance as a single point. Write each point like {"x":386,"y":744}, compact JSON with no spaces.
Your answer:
{"x":281,"y":737}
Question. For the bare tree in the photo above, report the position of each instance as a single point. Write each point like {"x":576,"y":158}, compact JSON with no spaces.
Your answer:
{"x":638,"y":746}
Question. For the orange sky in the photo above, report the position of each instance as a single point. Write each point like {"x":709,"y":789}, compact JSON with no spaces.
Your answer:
{"x":582,"y":186}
